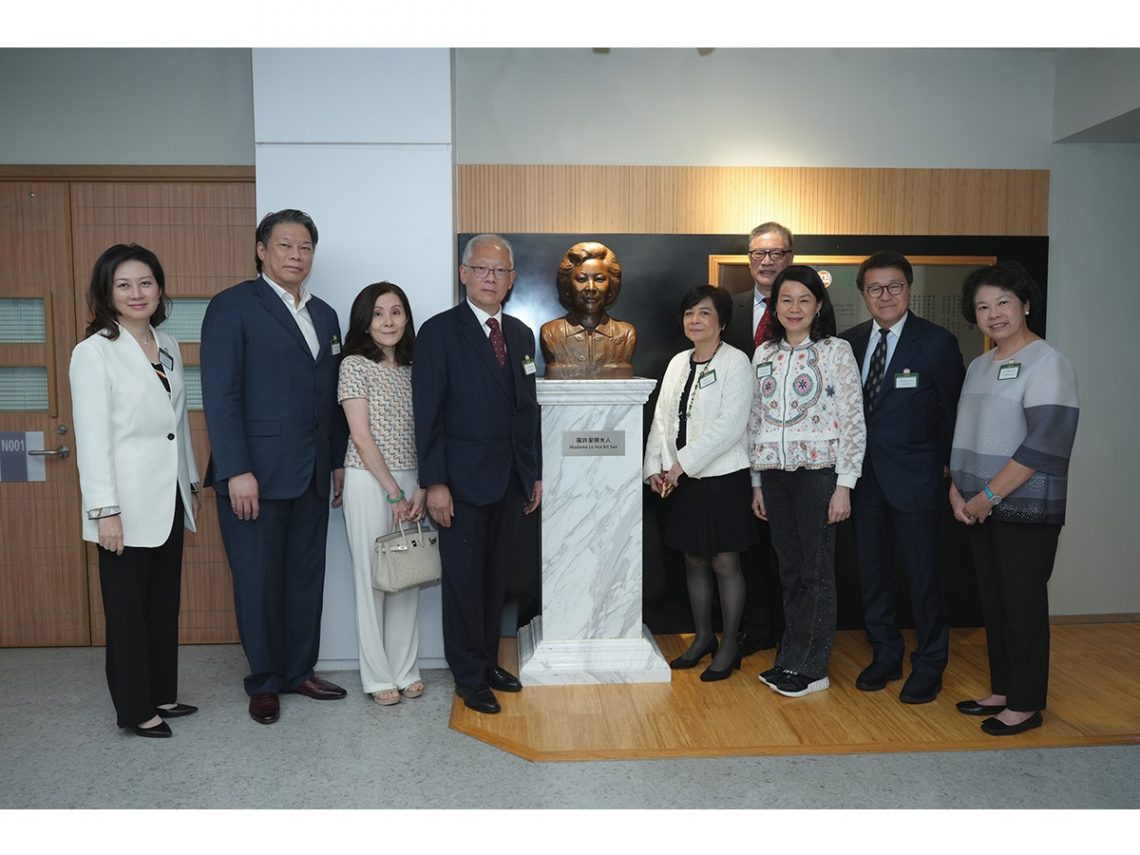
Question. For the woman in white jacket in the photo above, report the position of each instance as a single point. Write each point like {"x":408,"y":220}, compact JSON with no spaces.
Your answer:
{"x":807,"y":437}
{"x":138,"y":479}
{"x":699,"y":431}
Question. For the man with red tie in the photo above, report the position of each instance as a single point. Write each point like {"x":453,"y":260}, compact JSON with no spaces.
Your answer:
{"x":770,"y":250}
{"x":480,"y":456}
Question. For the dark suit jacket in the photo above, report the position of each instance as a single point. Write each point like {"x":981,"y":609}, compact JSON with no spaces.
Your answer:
{"x":271,"y":409}
{"x":740,"y":331}
{"x":910,"y":430}
{"x":470,"y":424}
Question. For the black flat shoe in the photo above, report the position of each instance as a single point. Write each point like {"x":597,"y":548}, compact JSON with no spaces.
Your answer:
{"x":972,"y":707}
{"x":176,"y":711}
{"x":681,"y":662}
{"x":997,"y":727}
{"x":159,"y":731}
{"x":709,"y":675}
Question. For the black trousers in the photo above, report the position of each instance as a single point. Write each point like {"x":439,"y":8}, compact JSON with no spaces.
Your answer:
{"x":797,"y":505}
{"x":1014,"y":562}
{"x":277,"y":562}
{"x":478,"y":555}
{"x":141,"y":595}
{"x":883,"y":532}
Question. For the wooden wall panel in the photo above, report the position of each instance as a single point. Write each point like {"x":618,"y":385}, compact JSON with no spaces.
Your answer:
{"x":202,"y":233}
{"x":727,"y":200}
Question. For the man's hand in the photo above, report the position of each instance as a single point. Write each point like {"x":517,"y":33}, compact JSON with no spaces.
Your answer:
{"x":535,"y":498}
{"x":439,"y":504}
{"x":243,"y":496}
{"x":338,"y":487}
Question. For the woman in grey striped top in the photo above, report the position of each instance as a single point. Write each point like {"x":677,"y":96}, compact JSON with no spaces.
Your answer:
{"x":1017,"y":418}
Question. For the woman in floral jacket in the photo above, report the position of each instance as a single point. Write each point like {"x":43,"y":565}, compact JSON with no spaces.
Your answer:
{"x":806,"y":441}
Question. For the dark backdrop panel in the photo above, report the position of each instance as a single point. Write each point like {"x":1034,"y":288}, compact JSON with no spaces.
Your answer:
{"x":656,"y":272}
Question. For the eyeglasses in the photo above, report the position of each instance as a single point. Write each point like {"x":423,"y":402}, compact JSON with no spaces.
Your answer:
{"x":893,"y":288}
{"x":774,"y":254}
{"x":481,"y":271}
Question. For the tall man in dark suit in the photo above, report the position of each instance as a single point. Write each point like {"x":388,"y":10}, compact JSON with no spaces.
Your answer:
{"x":770,"y":250}
{"x":270,"y":357}
{"x":480,"y":455}
{"x":912,"y":375}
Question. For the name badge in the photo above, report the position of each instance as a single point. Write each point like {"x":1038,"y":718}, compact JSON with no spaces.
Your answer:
{"x":166,"y":359}
{"x":706,"y":379}
{"x":1009,"y":371}
{"x":528,"y":365}
{"x":334,"y":346}
{"x":764,"y":369}
{"x":906,"y":380}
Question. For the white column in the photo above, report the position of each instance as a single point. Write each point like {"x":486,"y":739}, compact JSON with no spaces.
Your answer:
{"x":590,"y":630}
{"x":362,"y":141}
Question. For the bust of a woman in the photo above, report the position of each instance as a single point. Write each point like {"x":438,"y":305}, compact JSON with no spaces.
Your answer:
{"x":586,"y":342}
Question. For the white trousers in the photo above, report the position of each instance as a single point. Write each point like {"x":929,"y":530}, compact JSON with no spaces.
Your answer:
{"x":387,"y":625}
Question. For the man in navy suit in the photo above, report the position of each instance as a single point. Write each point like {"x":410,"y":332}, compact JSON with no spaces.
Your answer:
{"x":771,"y":248}
{"x":270,"y":359}
{"x":912,"y":375}
{"x":480,"y":456}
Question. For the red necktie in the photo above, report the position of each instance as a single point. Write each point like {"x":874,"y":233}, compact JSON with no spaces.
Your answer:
{"x":497,"y":343}
{"x":762,"y":328}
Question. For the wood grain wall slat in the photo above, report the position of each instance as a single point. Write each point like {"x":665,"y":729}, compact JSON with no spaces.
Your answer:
{"x":726,"y":200}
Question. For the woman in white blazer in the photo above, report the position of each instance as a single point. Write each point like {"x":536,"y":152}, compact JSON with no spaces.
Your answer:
{"x":700,"y":431}
{"x":138,"y":479}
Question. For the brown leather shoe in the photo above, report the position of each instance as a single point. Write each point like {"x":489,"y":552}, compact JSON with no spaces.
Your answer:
{"x":320,"y":690}
{"x":264,"y":708}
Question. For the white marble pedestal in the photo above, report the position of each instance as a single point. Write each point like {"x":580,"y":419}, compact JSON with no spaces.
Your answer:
{"x":590,"y":630}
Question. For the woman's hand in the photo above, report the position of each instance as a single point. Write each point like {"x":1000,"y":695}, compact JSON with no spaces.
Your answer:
{"x":401,"y":510}
{"x":111,"y":534}
{"x":958,"y":506}
{"x":657,"y":482}
{"x":195,"y":505}
{"x":978,"y":508}
{"x":758,"y":504}
{"x":674,"y":474}
{"x":419,"y":505}
{"x":839,"y":508}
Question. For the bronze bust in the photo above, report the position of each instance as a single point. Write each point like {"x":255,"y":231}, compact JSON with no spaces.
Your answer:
{"x":586,"y":342}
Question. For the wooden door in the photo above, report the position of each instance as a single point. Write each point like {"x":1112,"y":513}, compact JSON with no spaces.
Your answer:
{"x":203,"y":233}
{"x":43,"y":579}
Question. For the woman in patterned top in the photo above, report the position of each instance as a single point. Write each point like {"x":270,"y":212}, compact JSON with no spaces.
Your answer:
{"x":380,"y":486}
{"x":1017,"y":419}
{"x":806,"y":443}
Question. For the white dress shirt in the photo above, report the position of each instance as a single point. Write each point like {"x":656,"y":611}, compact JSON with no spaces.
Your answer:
{"x":893,"y":334}
{"x":299,"y":309}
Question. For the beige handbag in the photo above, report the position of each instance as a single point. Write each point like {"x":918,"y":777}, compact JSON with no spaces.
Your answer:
{"x":405,"y":559}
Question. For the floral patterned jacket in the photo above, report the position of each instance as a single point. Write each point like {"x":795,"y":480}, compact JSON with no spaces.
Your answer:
{"x":807,"y":409}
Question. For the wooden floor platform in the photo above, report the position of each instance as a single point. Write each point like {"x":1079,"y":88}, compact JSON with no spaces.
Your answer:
{"x":1094,"y":699}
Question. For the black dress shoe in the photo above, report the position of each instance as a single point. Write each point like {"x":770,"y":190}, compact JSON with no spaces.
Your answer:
{"x":974,"y":708}
{"x":159,"y":731}
{"x":876,"y":675}
{"x":682,"y":662}
{"x":751,"y":642}
{"x":920,"y":688}
{"x":710,"y":675}
{"x":479,"y":698}
{"x":502,"y":680}
{"x":176,"y":711}
{"x":997,"y":727}
{"x":264,"y":708}
{"x":318,"y":689}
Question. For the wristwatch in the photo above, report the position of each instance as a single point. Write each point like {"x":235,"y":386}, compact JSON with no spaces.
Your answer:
{"x":994,"y":498}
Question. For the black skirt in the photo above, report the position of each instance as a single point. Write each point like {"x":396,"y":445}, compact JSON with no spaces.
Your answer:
{"x":710,"y":515}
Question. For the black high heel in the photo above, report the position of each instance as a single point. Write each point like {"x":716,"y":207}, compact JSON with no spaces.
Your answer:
{"x":709,"y":675}
{"x":681,"y":662}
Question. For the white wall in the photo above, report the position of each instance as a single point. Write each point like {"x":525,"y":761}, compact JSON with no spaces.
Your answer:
{"x":904,"y":108}
{"x":126,"y":107}
{"x":1093,"y":87}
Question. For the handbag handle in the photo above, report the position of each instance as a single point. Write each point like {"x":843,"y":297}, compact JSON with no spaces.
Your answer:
{"x":404,"y":534}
